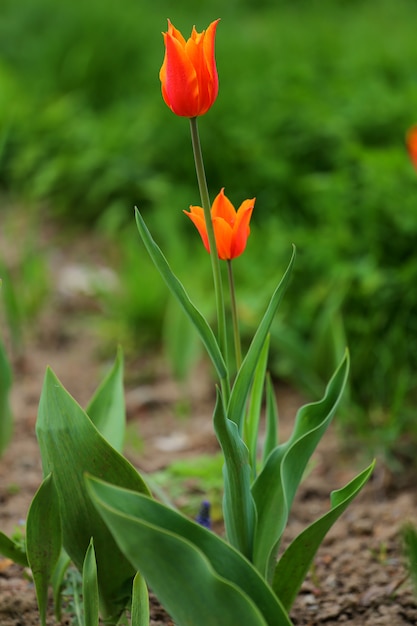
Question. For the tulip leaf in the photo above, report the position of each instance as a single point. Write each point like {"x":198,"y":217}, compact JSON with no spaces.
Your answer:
{"x":43,"y":540}
{"x":106,"y":409}
{"x":271,"y":418}
{"x":12,"y":550}
{"x":251,"y":427}
{"x":196,"y":575}
{"x":6,"y":421}
{"x":70,"y":445}
{"x":276,"y":485}
{"x":140,"y":602}
{"x":294,"y":564}
{"x":177,"y":289}
{"x":238,"y":506}
{"x":57,"y":580}
{"x":243,"y":382}
{"x":90,"y":588}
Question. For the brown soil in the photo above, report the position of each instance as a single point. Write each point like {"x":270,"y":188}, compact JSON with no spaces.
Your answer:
{"x":358,"y":576}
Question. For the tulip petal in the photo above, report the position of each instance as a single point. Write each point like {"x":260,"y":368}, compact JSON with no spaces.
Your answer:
{"x":180,"y":86}
{"x":196,"y":215}
{"x":412,"y":145}
{"x":222,"y":207}
{"x":241,"y":228}
{"x":188,"y":74}
{"x":223,"y":234}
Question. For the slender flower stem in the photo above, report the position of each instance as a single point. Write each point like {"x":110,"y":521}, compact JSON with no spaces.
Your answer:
{"x":235,"y":319}
{"x":215,"y":264}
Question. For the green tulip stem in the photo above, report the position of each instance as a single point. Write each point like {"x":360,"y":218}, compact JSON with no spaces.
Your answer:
{"x":215,"y":263}
{"x":235,"y":319}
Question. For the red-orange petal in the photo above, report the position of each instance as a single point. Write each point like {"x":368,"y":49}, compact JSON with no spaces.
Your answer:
{"x":222,"y":207}
{"x":223,"y":234}
{"x":412,"y":144}
{"x":179,"y":79}
{"x":196,"y":215}
{"x":241,"y":227}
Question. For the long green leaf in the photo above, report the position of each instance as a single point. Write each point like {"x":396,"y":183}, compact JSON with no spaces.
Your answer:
{"x":276,"y":485}
{"x":139,"y":523}
{"x":57,"y":580}
{"x":13,"y":551}
{"x":6,"y":421}
{"x":238,"y":507}
{"x":71,"y":445}
{"x":177,"y":289}
{"x":140,"y":602}
{"x":271,"y":419}
{"x":243,"y":382}
{"x":294,"y":564}
{"x":90,"y":587}
{"x":251,"y":429}
{"x":106,"y":409}
{"x":43,"y":540}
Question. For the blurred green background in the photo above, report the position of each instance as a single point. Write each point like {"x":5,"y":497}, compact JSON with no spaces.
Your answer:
{"x":314,"y":103}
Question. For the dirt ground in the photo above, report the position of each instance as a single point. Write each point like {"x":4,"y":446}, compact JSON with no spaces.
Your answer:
{"x":358,"y":576}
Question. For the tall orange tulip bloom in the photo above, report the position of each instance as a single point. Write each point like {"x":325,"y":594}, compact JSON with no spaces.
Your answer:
{"x":231,"y":227}
{"x":412,"y":145}
{"x":188,"y":74}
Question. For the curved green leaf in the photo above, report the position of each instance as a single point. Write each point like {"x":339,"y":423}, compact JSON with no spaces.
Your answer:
{"x":43,"y":540}
{"x":11,"y":550}
{"x":71,"y":445}
{"x":253,"y":416}
{"x":90,"y":588}
{"x":238,"y":506}
{"x":276,"y":485}
{"x":6,"y":420}
{"x":177,"y":289}
{"x":243,"y":382}
{"x":140,"y":602}
{"x":137,"y":520}
{"x":271,"y":419}
{"x":57,"y":580}
{"x":106,"y":408}
{"x":294,"y":564}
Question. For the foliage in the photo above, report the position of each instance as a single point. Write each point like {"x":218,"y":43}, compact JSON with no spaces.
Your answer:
{"x":6,"y":420}
{"x":82,"y":129}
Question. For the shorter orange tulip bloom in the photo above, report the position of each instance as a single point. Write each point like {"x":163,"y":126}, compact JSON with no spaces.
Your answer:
{"x":412,"y":145}
{"x":188,"y":74}
{"x":231,"y":227}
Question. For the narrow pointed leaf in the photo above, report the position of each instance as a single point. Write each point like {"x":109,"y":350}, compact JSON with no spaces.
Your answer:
{"x":70,"y":446}
{"x":175,"y":286}
{"x":6,"y":421}
{"x":57,"y":582}
{"x":140,"y":602}
{"x":254,"y":411}
{"x":271,"y":419}
{"x":11,"y":550}
{"x":294,"y":564}
{"x":106,"y":409}
{"x":43,"y":540}
{"x":244,"y":377}
{"x":276,"y":485}
{"x":137,"y":520}
{"x":90,"y":588}
{"x":238,"y":508}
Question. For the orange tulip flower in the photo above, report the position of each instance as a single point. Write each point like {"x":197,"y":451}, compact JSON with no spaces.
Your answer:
{"x":412,"y":145}
{"x":188,"y":74}
{"x":231,"y":227}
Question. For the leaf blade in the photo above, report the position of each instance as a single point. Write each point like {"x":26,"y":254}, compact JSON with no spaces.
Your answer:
{"x":293,"y":565}
{"x":225,"y":560}
{"x":177,"y":289}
